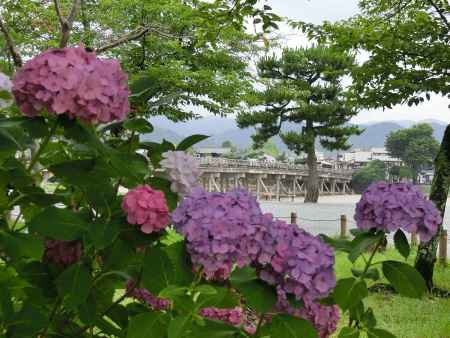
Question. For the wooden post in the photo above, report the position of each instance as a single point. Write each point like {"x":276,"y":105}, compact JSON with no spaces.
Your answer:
{"x":343,"y":226}
{"x":413,"y":238}
{"x":443,"y":247}
{"x":293,"y":218}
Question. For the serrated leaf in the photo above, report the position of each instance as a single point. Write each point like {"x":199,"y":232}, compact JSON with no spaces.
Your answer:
{"x":147,"y":325}
{"x":190,"y":141}
{"x":74,"y":285}
{"x":158,"y":271}
{"x":361,"y":243}
{"x":178,"y":326}
{"x":404,"y":278}
{"x":349,"y":291}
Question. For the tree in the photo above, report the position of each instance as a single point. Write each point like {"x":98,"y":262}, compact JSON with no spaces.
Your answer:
{"x":408,"y":48}
{"x":282,"y":157}
{"x":415,"y":146}
{"x":303,"y":86}
{"x":374,"y":171}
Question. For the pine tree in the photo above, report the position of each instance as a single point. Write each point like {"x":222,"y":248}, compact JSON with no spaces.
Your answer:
{"x":303,"y":86}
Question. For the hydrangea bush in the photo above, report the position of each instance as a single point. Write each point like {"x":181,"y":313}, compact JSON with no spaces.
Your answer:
{"x":102,"y":235}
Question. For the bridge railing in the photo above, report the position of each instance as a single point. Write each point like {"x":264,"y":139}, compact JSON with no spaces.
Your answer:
{"x":259,"y":164}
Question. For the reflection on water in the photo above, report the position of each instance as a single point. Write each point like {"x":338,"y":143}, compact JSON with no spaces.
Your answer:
{"x":324,"y":217}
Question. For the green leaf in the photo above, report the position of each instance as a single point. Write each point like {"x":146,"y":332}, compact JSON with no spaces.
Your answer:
{"x":181,"y":263}
{"x":56,"y":223}
{"x":289,"y":327}
{"x":349,"y":291}
{"x":190,"y":141}
{"x":28,"y":322}
{"x":258,"y":295}
{"x":139,"y":125}
{"x":349,"y":332}
{"x":379,"y":333}
{"x":158,"y":270}
{"x":213,"y":329}
{"x":401,"y":243}
{"x":18,"y":245}
{"x":404,"y":278}
{"x":338,"y":244}
{"x":178,"y":326}
{"x":369,"y":318}
{"x":148,"y":325}
{"x":103,"y":234}
{"x":362,"y":243}
{"x":74,"y":285}
{"x":371,"y":273}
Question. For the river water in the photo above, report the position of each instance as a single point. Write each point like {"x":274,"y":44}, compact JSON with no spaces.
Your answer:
{"x":324,"y":217}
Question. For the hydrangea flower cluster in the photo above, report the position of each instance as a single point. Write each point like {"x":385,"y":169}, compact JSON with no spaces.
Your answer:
{"x":323,"y":317}
{"x":146,"y":207}
{"x":75,"y":82}
{"x":5,"y":86}
{"x":64,"y":253}
{"x":233,"y":316}
{"x":220,"y":229}
{"x":182,"y":170}
{"x":297,"y":262}
{"x":391,"y":206}
{"x":144,"y":296}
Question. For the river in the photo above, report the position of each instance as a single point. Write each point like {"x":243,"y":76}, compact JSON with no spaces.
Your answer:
{"x":324,"y":217}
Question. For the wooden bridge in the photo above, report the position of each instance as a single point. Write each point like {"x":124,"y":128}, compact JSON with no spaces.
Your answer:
{"x":269,"y":180}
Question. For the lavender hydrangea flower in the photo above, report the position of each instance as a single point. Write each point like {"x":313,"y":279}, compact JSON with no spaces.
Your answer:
{"x":75,"y":82}
{"x":324,"y":318}
{"x":391,"y":206}
{"x":145,"y":296}
{"x":5,"y":86}
{"x":221,"y":229}
{"x":182,"y":170}
{"x":297,"y":262}
{"x":63,"y":253}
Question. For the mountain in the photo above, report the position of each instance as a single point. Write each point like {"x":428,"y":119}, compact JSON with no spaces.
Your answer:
{"x":223,"y":129}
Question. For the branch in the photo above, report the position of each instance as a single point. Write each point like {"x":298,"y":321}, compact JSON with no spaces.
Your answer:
{"x":66,"y":23}
{"x":11,"y":46}
{"x":134,"y":35}
{"x":440,"y":12}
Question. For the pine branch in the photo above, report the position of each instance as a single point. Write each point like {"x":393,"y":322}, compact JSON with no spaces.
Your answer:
{"x":17,"y":59}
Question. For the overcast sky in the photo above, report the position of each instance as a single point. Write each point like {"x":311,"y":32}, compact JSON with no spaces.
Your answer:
{"x":316,"y":11}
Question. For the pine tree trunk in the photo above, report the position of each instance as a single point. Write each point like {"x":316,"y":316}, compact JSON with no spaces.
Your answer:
{"x":426,"y":254}
{"x":312,"y":184}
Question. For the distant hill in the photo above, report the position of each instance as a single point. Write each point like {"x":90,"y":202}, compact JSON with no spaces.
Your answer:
{"x":223,"y":129}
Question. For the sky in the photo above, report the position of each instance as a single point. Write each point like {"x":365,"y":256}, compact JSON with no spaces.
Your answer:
{"x":316,"y":11}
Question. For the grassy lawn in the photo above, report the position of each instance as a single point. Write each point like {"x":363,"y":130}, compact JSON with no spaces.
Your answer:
{"x":405,"y":317}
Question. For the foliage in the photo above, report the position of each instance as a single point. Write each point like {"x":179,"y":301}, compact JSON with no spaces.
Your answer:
{"x":415,"y":146}
{"x":303,"y":86}
{"x":374,"y":171}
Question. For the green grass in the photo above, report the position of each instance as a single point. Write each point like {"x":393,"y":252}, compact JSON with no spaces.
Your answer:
{"x":405,"y":317}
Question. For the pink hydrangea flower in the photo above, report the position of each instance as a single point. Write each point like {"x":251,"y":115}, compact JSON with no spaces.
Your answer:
{"x":145,"y":296}
{"x":75,"y":82}
{"x":64,"y":253}
{"x":391,"y":206}
{"x":233,"y":316}
{"x":5,"y":86}
{"x":146,"y":207}
{"x":182,"y":170}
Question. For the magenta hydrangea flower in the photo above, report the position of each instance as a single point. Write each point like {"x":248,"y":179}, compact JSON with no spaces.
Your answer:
{"x":221,"y":229}
{"x":297,"y":262}
{"x":391,"y":206}
{"x":75,"y":82}
{"x":5,"y":86}
{"x":64,"y":253}
{"x":324,"y":318}
{"x":146,"y":207}
{"x":182,"y":170}
{"x":234,"y":316}
{"x":145,"y":296}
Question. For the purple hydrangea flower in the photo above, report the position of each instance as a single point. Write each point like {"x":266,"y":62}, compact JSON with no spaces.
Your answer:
{"x":75,"y":82}
{"x":295,"y":261}
{"x":234,"y":316}
{"x":64,"y":253}
{"x":182,"y":170}
{"x":221,"y":229}
{"x":145,"y":296}
{"x":323,"y":317}
{"x":391,"y":206}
